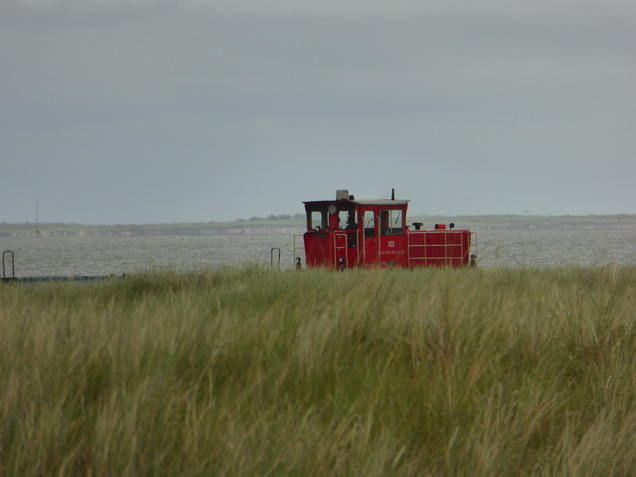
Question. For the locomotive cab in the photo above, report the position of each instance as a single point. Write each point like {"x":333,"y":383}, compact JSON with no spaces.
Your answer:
{"x":348,"y":233}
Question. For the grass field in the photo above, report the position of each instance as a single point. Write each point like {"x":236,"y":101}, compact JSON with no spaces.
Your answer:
{"x":248,"y":371}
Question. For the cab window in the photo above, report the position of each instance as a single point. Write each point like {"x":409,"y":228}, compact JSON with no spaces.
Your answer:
{"x":347,"y":219}
{"x":317,"y":219}
{"x":369,"y":223}
{"x":391,"y":222}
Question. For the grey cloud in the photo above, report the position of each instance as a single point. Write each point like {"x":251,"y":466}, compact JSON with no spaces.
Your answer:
{"x":493,"y":104}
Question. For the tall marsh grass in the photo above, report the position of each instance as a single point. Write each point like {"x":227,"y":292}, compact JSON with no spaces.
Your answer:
{"x":248,"y":371}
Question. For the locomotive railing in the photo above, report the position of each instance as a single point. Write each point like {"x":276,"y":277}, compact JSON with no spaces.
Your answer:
{"x":342,"y":238}
{"x":431,"y":251}
{"x":298,"y":249}
{"x":473,"y":249}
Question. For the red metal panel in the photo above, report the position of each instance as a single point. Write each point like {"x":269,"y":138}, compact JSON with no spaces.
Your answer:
{"x":318,"y":251}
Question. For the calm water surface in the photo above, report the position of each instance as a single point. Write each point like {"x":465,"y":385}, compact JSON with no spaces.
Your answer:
{"x":82,"y":255}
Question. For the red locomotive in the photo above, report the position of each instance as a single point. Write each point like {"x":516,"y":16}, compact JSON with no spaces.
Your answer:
{"x":349,"y":233}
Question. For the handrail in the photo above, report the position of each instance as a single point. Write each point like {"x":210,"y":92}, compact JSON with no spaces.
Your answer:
{"x":296,"y":249}
{"x":4,"y":275}
{"x":271,"y":258}
{"x":448,"y":247}
{"x":337,"y":235}
{"x":473,"y":249}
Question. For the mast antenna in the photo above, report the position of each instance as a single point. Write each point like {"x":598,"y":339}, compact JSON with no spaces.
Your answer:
{"x":37,"y":223}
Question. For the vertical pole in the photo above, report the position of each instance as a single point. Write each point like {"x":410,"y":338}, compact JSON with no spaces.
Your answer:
{"x":37,"y":222}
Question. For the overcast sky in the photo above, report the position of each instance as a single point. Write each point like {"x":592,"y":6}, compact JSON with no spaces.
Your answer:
{"x":149,"y":111}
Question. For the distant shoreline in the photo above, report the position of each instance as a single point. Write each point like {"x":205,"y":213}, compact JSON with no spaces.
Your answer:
{"x":281,"y":227}
{"x":61,"y":230}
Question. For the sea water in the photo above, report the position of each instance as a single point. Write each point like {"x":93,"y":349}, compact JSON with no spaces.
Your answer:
{"x":114,"y":255}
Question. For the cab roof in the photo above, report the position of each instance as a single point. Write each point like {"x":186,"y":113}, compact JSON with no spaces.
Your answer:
{"x":382,"y":202}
